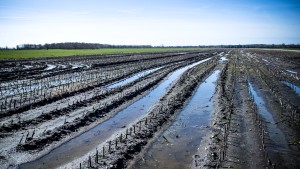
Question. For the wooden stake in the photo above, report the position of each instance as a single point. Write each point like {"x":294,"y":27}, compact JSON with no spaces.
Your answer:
{"x":21,"y":139}
{"x":109,"y":146}
{"x":96,"y":158}
{"x":121,"y":138}
{"x":90,"y":161}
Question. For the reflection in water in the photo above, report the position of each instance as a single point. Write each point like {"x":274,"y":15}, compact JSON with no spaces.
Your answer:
{"x":291,"y":71}
{"x":176,"y":146}
{"x":133,"y":78}
{"x":87,"y":141}
{"x":275,"y":133}
{"x":292,"y":86}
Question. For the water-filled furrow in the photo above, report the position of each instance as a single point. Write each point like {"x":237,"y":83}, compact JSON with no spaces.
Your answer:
{"x":292,"y":71}
{"x":86,"y":95}
{"x":133,"y":78}
{"x":292,"y":86}
{"x":50,"y":67}
{"x":73,"y":79}
{"x":87,"y":141}
{"x":177,"y":145}
{"x":276,"y":135}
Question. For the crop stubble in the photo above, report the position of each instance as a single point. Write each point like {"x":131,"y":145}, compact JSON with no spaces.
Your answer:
{"x":42,"y":106}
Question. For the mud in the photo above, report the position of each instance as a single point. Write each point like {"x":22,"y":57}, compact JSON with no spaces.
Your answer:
{"x":254,"y":123}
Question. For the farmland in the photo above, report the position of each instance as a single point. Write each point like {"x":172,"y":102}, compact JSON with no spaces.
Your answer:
{"x":145,"y":108}
{"x":44,"y":53}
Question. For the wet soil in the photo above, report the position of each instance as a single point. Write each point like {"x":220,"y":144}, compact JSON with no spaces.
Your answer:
{"x":255,"y":120}
{"x":176,"y":146}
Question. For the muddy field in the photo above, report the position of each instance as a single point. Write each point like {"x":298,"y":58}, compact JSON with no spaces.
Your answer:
{"x":218,"y":108}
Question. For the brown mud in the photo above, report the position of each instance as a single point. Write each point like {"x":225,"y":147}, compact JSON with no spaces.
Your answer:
{"x":255,"y":122}
{"x":244,"y":136}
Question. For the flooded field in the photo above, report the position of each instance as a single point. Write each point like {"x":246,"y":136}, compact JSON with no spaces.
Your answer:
{"x":177,"y":145}
{"x":216,"y":108}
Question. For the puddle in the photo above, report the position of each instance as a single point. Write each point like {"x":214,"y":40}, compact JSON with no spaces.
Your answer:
{"x":221,"y":54}
{"x":291,"y":71}
{"x":265,"y":60}
{"x":276,"y":135}
{"x":292,"y":86}
{"x":50,"y":67}
{"x":177,"y":145}
{"x":133,"y":78}
{"x":87,"y":141}
{"x":223,"y":58}
{"x":62,"y":66}
{"x":76,"y":66}
{"x":87,"y":95}
{"x":28,"y":66}
{"x":73,"y":79}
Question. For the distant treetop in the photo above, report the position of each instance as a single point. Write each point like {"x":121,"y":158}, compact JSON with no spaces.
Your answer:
{"x":80,"y":45}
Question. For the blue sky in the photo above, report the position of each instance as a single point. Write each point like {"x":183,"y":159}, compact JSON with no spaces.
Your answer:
{"x":153,"y":22}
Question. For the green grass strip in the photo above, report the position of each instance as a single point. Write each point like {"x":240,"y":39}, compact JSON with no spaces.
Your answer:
{"x":28,"y":54}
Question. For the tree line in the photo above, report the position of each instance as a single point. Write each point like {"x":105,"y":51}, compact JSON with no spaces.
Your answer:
{"x":76,"y":45}
{"x":81,"y":45}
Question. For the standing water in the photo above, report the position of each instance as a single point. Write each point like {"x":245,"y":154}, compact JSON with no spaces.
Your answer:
{"x":176,"y":146}
{"x":276,"y":135}
{"x":87,"y":141}
{"x":292,"y":86}
{"x":133,"y":78}
{"x":278,"y":149}
{"x":291,"y":71}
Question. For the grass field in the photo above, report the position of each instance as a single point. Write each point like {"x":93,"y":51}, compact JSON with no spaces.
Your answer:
{"x":25,"y":54}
